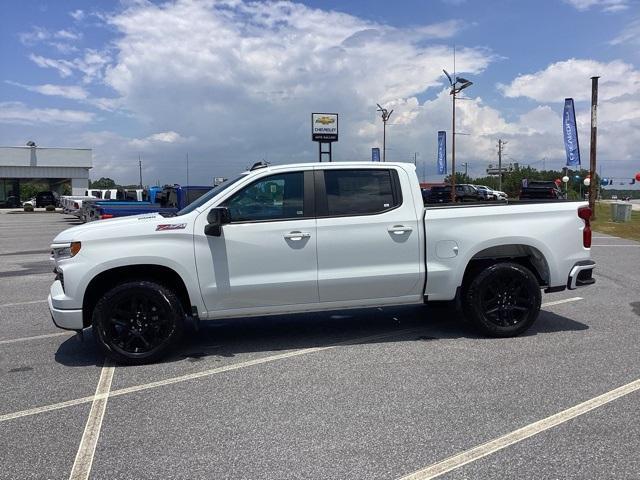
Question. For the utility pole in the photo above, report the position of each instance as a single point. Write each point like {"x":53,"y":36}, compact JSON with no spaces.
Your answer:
{"x":140,"y":168}
{"x":187,"y":168}
{"x":415,"y":159}
{"x":385,"y":116}
{"x":466,"y":165}
{"x":592,"y":156}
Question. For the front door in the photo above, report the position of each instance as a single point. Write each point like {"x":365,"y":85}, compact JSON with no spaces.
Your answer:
{"x":266,"y":256}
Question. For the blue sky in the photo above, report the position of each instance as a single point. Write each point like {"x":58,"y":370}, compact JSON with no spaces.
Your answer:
{"x":233,"y":82}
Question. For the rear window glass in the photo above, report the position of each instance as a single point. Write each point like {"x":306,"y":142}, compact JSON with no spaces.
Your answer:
{"x":359,"y":192}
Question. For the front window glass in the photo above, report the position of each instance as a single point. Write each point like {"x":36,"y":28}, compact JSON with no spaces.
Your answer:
{"x":275,"y":197}
{"x":209,"y":195}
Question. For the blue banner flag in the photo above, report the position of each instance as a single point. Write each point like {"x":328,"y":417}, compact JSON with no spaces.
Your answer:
{"x":375,"y":154}
{"x":442,"y":153}
{"x":570,"y":133}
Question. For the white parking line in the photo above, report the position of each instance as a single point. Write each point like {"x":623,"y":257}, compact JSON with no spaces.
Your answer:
{"x":193,"y":376}
{"x":559,"y":302}
{"x":36,"y":337}
{"x":615,"y":245}
{"x":476,"y":453}
{"x":86,"y":450}
{"x":22,"y":303}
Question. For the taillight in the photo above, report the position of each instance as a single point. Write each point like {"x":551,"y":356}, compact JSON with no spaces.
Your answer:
{"x":585,"y":214}
{"x":104,"y":216}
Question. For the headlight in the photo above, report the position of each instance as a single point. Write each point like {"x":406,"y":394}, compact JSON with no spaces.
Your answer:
{"x":61,"y":251}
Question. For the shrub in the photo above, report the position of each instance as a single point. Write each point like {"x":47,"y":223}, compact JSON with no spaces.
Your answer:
{"x":50,"y":208}
{"x":28,"y":208}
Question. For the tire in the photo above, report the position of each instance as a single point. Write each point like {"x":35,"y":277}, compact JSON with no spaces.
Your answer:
{"x":502,"y":300}
{"x":138,"y":322}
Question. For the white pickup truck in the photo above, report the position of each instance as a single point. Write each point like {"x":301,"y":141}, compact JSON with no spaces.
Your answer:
{"x":73,"y":204}
{"x":309,"y":237}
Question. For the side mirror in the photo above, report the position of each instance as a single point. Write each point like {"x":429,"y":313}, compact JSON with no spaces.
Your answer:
{"x":216,"y":217}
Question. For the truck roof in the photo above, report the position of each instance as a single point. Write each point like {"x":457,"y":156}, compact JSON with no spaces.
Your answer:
{"x":309,"y":165}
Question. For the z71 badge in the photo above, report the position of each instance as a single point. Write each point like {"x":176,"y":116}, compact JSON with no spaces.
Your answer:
{"x":171,"y":226}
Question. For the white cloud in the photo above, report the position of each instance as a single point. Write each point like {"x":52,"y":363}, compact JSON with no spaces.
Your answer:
{"x":77,"y":15}
{"x":446,"y":29}
{"x":63,"y":67}
{"x":39,"y":34}
{"x":605,"y":5}
{"x":242,"y":78}
{"x":67,"y":35}
{"x":629,"y":35}
{"x":90,"y":65}
{"x":571,"y":78}
{"x":239,"y":81}
{"x":72,"y":92}
{"x":158,"y":138}
{"x":19,"y":113}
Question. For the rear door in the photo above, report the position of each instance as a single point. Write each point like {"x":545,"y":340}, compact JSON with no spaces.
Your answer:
{"x":368,"y":238}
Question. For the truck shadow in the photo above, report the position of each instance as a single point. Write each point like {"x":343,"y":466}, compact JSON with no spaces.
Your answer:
{"x":229,"y":338}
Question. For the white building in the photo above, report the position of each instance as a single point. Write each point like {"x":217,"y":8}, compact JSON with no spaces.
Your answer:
{"x":53,"y":166}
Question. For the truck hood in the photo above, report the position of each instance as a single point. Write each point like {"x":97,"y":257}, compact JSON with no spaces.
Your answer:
{"x":117,"y":227}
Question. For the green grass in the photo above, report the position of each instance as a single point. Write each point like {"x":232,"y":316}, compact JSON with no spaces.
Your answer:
{"x":603,"y":223}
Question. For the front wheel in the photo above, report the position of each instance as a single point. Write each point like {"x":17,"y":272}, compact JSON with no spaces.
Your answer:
{"x":138,"y":322}
{"x":503,"y":300}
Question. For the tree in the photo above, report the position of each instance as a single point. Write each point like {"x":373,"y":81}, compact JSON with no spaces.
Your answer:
{"x":104,"y":183}
{"x":460,"y":178}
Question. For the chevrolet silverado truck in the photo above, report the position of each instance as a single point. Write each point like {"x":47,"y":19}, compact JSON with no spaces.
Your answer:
{"x":311,"y":237}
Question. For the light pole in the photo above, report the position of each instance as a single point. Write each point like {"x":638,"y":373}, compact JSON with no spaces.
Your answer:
{"x":385,"y":116}
{"x":456,"y":87}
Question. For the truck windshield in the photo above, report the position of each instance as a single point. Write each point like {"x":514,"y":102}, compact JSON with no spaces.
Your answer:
{"x":209,"y":195}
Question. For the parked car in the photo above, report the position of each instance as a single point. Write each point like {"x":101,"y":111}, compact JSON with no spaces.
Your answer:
{"x":500,"y":195}
{"x":464,"y":193}
{"x":309,"y":237}
{"x":540,"y":190}
{"x":45,"y":198}
{"x":486,"y":193}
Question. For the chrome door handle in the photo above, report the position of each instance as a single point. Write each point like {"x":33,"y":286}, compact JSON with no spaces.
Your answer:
{"x":399,"y":229}
{"x":296,"y":236}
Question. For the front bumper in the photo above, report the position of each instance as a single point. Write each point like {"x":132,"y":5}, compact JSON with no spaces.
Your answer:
{"x":67,"y":319}
{"x":581,"y":275}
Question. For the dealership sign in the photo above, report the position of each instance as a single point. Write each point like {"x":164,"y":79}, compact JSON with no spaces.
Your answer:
{"x":324,"y":127}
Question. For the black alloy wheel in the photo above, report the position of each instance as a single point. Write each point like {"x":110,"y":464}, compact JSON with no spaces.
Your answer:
{"x":138,"y":322}
{"x":503,"y":300}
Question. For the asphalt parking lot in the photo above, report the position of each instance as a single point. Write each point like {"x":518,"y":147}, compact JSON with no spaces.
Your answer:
{"x":357,"y":394}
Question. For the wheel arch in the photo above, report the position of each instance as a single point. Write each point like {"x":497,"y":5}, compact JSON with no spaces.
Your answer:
{"x":108,"y":279}
{"x":526,"y":255}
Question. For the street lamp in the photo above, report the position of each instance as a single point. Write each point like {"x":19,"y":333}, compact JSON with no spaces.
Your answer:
{"x":456,"y":87}
{"x":385,"y":116}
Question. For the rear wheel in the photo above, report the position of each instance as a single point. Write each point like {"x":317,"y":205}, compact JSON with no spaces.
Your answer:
{"x":138,"y":322}
{"x":503,"y":300}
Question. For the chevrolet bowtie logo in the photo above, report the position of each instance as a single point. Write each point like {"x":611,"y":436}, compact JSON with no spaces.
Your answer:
{"x":325,"y":120}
